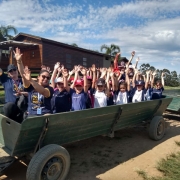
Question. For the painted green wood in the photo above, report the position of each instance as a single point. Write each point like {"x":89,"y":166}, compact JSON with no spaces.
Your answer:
{"x":9,"y":132}
{"x":69,"y":127}
{"x":174,"y":105}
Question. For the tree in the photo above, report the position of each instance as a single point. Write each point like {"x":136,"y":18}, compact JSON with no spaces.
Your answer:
{"x":146,"y":67}
{"x":74,"y":44}
{"x":5,"y":32}
{"x":170,"y":78}
{"x":110,"y":50}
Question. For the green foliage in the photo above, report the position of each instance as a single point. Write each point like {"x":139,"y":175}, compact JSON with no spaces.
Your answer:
{"x":171,"y":78}
{"x":110,"y":50}
{"x":5,"y":32}
{"x":74,"y":44}
{"x":169,"y":167}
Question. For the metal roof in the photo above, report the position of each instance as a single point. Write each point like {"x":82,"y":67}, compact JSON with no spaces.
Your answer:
{"x":60,"y":43}
{"x":6,"y":44}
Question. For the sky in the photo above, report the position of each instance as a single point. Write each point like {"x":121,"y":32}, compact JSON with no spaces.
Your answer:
{"x":151,"y":28}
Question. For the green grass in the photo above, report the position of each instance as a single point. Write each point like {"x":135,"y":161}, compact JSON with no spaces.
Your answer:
{"x":170,"y":168}
{"x":168,"y":87}
{"x":1,"y":93}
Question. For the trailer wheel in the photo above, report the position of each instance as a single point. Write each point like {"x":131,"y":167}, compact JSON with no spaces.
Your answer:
{"x":157,"y":128}
{"x":52,"y":162}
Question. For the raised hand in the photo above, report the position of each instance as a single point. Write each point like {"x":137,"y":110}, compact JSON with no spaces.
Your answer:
{"x":17,"y":54}
{"x":137,"y":59}
{"x":154,"y":73}
{"x":111,"y":74}
{"x":148,"y":72}
{"x":135,"y":71}
{"x":57,"y":65}
{"x":93,"y":68}
{"x":76,"y":68}
{"x":62,"y":67}
{"x":104,"y":71}
{"x":71,"y":72}
{"x":59,"y":70}
{"x":162,"y":74}
{"x":133,"y":53}
{"x":27,"y":73}
{"x":48,"y":69}
{"x":43,"y":67}
{"x":65,"y":73}
{"x":109,"y":70}
{"x":84,"y":72}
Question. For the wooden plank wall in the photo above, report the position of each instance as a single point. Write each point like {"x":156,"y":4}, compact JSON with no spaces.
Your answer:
{"x":53,"y":53}
{"x":4,"y":62}
{"x":32,"y":56}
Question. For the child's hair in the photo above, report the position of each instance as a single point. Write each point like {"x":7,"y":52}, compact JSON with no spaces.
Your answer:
{"x":158,"y":82}
{"x":42,"y":71}
{"x":123,"y":84}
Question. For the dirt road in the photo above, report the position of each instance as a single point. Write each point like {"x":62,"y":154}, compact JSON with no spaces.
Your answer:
{"x":113,"y":159}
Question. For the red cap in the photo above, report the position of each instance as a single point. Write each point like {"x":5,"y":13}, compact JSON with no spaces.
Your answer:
{"x":89,"y":78}
{"x":78,"y":82}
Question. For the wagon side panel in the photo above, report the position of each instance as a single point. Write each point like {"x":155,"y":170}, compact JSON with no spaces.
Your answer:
{"x":9,"y":133}
{"x":30,"y":132}
{"x":74,"y":126}
{"x":136,"y":113}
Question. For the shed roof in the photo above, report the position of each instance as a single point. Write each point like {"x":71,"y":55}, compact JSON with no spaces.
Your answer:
{"x":6,"y":44}
{"x":62,"y":44}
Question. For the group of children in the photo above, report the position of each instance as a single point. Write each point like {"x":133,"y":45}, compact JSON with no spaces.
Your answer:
{"x":84,"y":88}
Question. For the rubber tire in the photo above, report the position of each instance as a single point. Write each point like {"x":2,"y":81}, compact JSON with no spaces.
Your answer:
{"x":39,"y":160}
{"x":154,"y":127}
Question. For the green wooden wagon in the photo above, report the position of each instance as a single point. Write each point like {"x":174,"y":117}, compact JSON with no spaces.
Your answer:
{"x":40,"y":138}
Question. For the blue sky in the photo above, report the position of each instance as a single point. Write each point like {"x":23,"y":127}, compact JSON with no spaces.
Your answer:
{"x":151,"y":28}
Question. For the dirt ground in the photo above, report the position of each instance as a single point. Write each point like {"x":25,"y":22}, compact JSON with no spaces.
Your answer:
{"x":113,"y":159}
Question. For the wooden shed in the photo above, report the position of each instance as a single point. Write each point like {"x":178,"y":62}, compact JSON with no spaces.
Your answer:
{"x":37,"y":51}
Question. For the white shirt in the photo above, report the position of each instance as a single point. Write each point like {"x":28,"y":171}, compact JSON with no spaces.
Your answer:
{"x":100,"y":99}
{"x":121,"y":98}
{"x":137,"y":96}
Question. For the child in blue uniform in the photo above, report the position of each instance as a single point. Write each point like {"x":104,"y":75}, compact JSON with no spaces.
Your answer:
{"x":139,"y":89}
{"x":158,"y":88}
{"x":78,"y":90}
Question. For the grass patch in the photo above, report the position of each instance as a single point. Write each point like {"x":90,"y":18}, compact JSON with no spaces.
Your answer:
{"x":169,"y":87}
{"x":1,"y":93}
{"x":169,"y":167}
{"x":143,"y":174}
{"x":177,"y":142}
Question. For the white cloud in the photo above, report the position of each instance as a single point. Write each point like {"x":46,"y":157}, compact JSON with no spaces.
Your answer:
{"x":149,"y":27}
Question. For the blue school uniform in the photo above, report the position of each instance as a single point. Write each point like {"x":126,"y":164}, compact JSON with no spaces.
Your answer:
{"x":11,"y":87}
{"x":61,"y":101}
{"x":157,"y":93}
{"x":110,"y":99}
{"x":148,"y":95}
{"x":143,"y":93}
{"x":37,"y":100}
{"x":116,"y":95}
{"x":78,"y":100}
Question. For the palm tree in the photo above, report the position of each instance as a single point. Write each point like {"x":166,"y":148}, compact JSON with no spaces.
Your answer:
{"x":110,"y":50}
{"x":4,"y":32}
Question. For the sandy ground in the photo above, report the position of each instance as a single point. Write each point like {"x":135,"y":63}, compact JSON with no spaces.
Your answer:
{"x":113,"y":159}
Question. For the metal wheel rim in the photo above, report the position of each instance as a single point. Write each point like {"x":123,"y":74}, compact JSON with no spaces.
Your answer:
{"x":160,"y":128}
{"x":53,"y":169}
